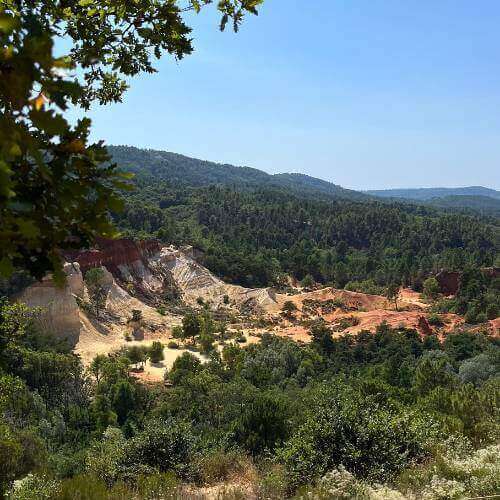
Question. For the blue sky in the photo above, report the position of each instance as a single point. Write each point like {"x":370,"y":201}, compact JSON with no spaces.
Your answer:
{"x":363,"y":93}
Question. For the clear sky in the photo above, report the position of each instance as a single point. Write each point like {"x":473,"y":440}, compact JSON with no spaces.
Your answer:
{"x":363,"y":93}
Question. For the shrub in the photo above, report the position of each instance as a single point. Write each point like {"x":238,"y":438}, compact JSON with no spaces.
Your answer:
{"x":307,"y":281}
{"x":435,"y":320}
{"x":158,"y":486}
{"x":184,"y":365}
{"x":219,"y":465}
{"x":88,"y":487}
{"x":431,"y":288}
{"x":178,"y":332}
{"x":347,"y":428}
{"x":273,"y":485}
{"x":173,"y":345}
{"x":241,"y":339}
{"x":97,"y":290}
{"x":289,"y":307}
{"x":366,"y":286}
{"x":34,"y":487}
{"x":163,"y":445}
{"x":433,"y":370}
{"x":480,"y":368}
{"x":136,"y":315}
{"x":156,"y":352}
{"x":206,"y":343}
{"x":263,"y":422}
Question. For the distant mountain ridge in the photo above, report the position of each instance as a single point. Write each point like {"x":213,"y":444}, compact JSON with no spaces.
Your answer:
{"x":162,"y":166}
{"x":186,"y":171}
{"x":425,"y":194}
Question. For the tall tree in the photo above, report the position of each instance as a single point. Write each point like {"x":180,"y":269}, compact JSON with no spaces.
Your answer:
{"x":56,"y":189}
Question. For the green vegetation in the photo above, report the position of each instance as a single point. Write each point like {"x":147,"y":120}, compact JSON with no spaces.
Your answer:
{"x":156,"y":352}
{"x":385,"y":410}
{"x":97,"y":290}
{"x":371,"y":416}
{"x":478,"y":297}
{"x":56,"y":190}
{"x":430,"y":288}
{"x":254,"y":233}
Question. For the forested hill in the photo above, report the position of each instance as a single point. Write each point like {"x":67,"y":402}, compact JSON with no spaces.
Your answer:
{"x":483,"y":204}
{"x":426,"y":194}
{"x":184,"y":171}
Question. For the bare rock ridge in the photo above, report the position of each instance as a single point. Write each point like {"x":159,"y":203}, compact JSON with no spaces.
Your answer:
{"x":142,"y":276}
{"x":449,"y":281}
{"x":59,"y":311}
{"x":136,"y":275}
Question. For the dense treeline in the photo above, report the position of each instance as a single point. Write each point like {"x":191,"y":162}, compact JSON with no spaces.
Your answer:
{"x":340,"y":413}
{"x":253,"y":237}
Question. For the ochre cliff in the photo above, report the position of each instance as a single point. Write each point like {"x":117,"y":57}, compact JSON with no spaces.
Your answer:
{"x":112,"y":254}
{"x":59,"y":311}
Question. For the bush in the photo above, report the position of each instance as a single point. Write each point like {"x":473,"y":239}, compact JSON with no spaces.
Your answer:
{"x":219,"y":465}
{"x":88,"y":487}
{"x":156,"y":352}
{"x":163,"y":445}
{"x":97,"y":289}
{"x":350,"y":429}
{"x":178,"y":332}
{"x":34,"y":487}
{"x":206,"y":343}
{"x":289,"y":307}
{"x":480,"y":368}
{"x":263,"y":423}
{"x":241,"y":339}
{"x":307,"y":281}
{"x":431,"y":288}
{"x":435,"y":320}
{"x":173,"y":345}
{"x":184,"y":365}
{"x":158,"y":486}
{"x":365,"y":286}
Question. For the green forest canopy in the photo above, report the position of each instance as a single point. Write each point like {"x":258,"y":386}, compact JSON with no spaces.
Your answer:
{"x":253,"y":229}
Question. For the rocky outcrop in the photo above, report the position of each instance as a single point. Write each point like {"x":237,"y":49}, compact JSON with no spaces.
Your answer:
{"x":59,"y":311}
{"x":113,"y":254}
{"x":196,"y":281}
{"x":423,"y":326}
{"x":449,"y":282}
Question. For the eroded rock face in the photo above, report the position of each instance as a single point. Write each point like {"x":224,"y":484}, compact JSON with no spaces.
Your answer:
{"x":59,"y":309}
{"x":113,"y":254}
{"x":449,"y":282}
{"x":423,"y":326}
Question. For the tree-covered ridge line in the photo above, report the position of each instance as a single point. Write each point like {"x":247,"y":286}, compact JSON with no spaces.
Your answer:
{"x":181,"y":170}
{"x":185,"y":171}
{"x":423,"y":194}
{"x":254,"y":236}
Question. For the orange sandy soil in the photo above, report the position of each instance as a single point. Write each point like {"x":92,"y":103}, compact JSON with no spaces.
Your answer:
{"x":369,"y":310}
{"x":352,"y":300}
{"x":495,"y":327}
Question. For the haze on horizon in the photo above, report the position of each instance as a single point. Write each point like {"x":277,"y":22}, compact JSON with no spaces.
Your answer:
{"x":368,"y":95}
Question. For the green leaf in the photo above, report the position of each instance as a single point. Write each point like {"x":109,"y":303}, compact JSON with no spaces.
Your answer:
{"x":28,"y":228}
{"x":8,"y":23}
{"x":6,"y":267}
{"x":48,"y":122}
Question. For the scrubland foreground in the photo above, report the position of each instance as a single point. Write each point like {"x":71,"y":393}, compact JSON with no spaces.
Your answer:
{"x":245,"y":408}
